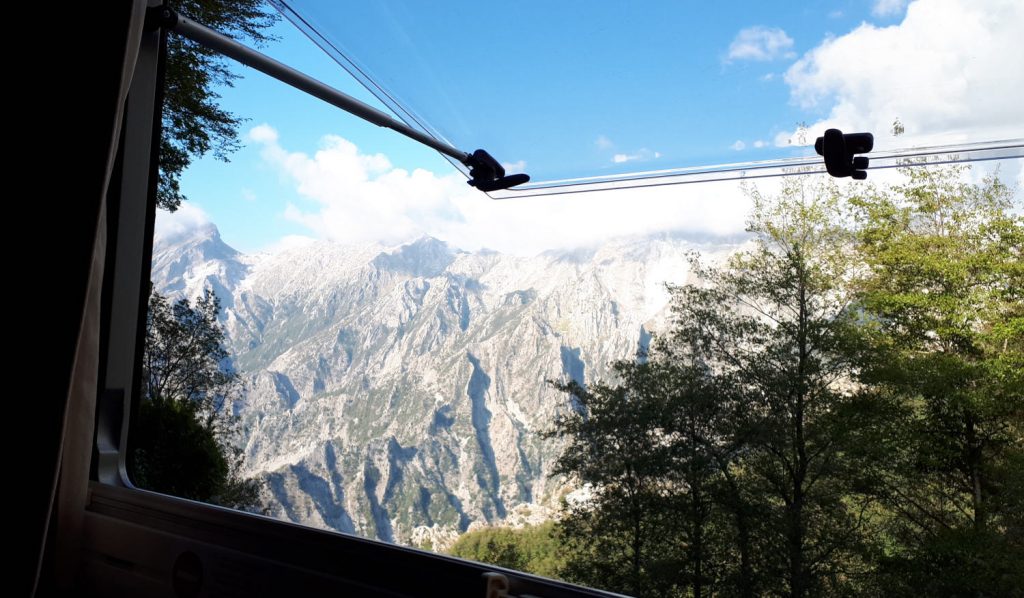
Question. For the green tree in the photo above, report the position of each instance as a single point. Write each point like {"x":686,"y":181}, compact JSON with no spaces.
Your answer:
{"x":775,"y":321}
{"x":626,"y":534}
{"x":533,"y":549}
{"x":692,"y":434}
{"x":944,"y":295}
{"x":836,"y":409}
{"x":656,"y":453}
{"x":185,"y":356}
{"x":183,"y":441}
{"x":193,"y":123}
{"x":709,"y":434}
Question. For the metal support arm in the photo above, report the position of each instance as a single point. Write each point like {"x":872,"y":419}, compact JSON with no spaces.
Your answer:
{"x":485,"y":178}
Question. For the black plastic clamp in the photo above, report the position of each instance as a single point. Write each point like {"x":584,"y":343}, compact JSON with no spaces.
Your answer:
{"x":487,"y":174}
{"x":838,"y":150}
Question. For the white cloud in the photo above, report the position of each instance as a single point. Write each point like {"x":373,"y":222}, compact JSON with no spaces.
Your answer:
{"x":760,"y":43}
{"x":739,"y":145}
{"x":888,"y":8}
{"x":641,"y":154}
{"x":357,"y":198}
{"x":760,"y":143}
{"x":248,"y":195}
{"x":767,"y":77}
{"x":183,"y":221}
{"x":263,"y":133}
{"x":361,"y":197}
{"x":603,"y":142}
{"x":835,"y":14}
{"x":951,"y":71}
{"x":289,"y":242}
{"x":514,"y":167}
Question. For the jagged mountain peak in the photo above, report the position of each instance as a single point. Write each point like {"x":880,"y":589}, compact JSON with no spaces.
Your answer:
{"x":396,"y":391}
{"x":203,"y":239}
{"x":425,"y":256}
{"x":185,"y":262}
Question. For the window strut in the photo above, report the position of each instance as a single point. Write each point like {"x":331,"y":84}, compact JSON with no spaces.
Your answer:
{"x":486,"y":173}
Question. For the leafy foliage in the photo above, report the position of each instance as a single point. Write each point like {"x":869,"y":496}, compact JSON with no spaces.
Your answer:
{"x":184,"y":438}
{"x":534,"y":549}
{"x":185,"y":354}
{"x":836,"y":410}
{"x":176,"y":453}
{"x":775,"y":321}
{"x":645,"y":450}
{"x":193,"y":123}
{"x":945,"y":287}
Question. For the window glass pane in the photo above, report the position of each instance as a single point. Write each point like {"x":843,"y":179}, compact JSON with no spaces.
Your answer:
{"x":605,"y":91}
{"x":370,"y":346}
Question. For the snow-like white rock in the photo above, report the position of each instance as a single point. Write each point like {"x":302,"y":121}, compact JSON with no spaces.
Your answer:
{"x":400,"y":392}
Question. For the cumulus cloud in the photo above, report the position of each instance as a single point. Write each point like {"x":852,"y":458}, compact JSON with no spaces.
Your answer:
{"x":950,"y":71}
{"x":760,"y":143}
{"x":360,"y":197}
{"x":356,"y":198}
{"x":188,"y":218}
{"x":888,"y":8}
{"x":514,"y":167}
{"x":641,"y":154}
{"x":739,"y":145}
{"x":263,"y":134}
{"x":761,"y":44}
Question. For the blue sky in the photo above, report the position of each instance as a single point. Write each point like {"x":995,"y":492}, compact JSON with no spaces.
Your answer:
{"x":576,"y":88}
{"x":246,"y":197}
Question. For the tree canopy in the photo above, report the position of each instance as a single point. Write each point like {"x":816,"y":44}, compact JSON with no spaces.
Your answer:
{"x":944,"y":287}
{"x":184,"y":439}
{"x":193,"y":122}
{"x":534,"y":549}
{"x":834,"y":410}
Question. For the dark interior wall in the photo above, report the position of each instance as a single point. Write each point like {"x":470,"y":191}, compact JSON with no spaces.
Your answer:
{"x":66,"y":90}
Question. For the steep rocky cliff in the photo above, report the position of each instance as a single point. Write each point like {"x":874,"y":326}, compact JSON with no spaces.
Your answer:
{"x":399,"y":392}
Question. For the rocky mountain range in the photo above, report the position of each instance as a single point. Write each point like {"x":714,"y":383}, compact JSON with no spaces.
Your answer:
{"x":400,"y":392}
